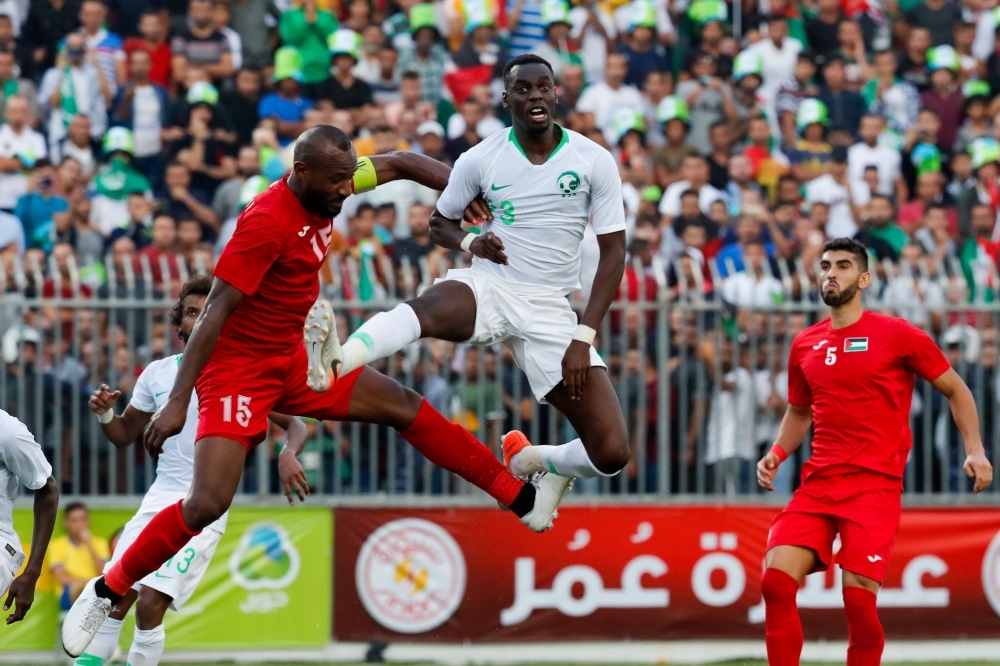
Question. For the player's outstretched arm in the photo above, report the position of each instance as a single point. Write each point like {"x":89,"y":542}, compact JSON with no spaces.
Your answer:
{"x":22,"y":590}
{"x":403,"y":165}
{"x":293,"y":477}
{"x":122,"y":430}
{"x":963,"y":408}
{"x":610,"y":267}
{"x":221,"y":301}
{"x":794,"y":428}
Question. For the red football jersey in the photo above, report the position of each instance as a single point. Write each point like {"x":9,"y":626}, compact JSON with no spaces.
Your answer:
{"x":859,"y":382}
{"x":274,"y":257}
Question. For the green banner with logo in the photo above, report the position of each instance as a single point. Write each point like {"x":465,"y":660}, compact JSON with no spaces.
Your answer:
{"x":269,"y":585}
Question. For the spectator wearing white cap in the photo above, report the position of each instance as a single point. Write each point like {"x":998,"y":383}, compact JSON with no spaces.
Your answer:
{"x":430,"y":140}
{"x":75,"y":86}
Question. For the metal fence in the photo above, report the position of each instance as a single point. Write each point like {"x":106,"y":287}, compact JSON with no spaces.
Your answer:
{"x":697,"y":360}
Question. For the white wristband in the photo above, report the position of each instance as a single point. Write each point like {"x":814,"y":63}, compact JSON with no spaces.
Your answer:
{"x":106,"y":417}
{"x":467,"y":241}
{"x":584,"y":334}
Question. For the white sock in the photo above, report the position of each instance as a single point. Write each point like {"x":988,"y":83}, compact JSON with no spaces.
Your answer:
{"x":103,"y":647}
{"x":382,"y":335}
{"x":569,"y":459}
{"x":147,"y":647}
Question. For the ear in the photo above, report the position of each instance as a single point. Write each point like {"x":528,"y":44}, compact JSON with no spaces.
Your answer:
{"x":503,"y":100}
{"x":865,"y":280}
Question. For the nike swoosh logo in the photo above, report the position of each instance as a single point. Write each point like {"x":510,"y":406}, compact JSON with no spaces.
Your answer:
{"x":159,"y":394}
{"x":502,"y":187}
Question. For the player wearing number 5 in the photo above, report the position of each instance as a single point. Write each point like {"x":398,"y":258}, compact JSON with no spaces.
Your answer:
{"x":851,"y":378}
{"x":172,"y":584}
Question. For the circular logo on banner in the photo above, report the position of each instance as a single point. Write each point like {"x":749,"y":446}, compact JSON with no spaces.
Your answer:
{"x":265,"y":559}
{"x":991,"y":574}
{"x":410,"y":575}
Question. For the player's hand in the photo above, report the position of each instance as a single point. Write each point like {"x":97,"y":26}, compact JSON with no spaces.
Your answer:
{"x":292,"y":476}
{"x":21,"y":596}
{"x":766,"y":469}
{"x":103,"y":399}
{"x":977,"y":466}
{"x":489,"y":246}
{"x":478,"y":211}
{"x":165,"y":424}
{"x":575,"y":367}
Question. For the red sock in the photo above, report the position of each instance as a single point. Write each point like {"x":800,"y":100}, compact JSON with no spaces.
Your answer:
{"x":863,"y":627}
{"x":160,"y":540}
{"x":452,"y":447}
{"x":783,"y":628}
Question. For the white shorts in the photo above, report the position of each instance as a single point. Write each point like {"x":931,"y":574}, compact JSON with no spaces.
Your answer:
{"x":10,"y":564}
{"x":180,"y":575}
{"x":537,"y":326}
{"x":6,"y":578}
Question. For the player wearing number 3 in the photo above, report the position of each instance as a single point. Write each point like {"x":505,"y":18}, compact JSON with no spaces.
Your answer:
{"x":851,"y":378}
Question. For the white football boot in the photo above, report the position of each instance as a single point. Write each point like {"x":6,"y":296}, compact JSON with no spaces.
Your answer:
{"x":84,"y":619}
{"x":322,"y":347}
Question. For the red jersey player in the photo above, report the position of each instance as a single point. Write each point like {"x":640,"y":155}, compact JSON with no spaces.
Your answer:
{"x":850,"y":377}
{"x":246,"y":358}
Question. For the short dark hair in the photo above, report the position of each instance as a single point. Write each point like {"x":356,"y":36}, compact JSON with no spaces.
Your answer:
{"x":73,"y":506}
{"x":887,"y":200}
{"x":690,"y":193}
{"x":199,"y":285}
{"x":410,"y":76}
{"x":523,"y":59}
{"x":856,"y":248}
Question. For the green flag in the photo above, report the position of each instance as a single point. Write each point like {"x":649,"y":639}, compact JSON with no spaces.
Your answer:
{"x":68,"y":94}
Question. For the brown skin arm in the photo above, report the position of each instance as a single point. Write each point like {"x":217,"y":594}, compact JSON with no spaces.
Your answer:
{"x":793,"y":429}
{"x":221,"y":302}
{"x":22,"y":590}
{"x":610,"y":268}
{"x":402,"y":165}
{"x":963,"y":408}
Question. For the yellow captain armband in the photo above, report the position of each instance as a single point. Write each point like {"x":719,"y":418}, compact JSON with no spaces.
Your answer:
{"x":364,"y":177}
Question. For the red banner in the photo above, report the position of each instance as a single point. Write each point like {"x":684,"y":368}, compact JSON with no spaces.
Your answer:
{"x":637,"y":572}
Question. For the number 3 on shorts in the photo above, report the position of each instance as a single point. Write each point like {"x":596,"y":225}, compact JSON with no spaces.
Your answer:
{"x":242,"y":409}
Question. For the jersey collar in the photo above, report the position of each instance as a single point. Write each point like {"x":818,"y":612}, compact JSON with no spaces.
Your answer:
{"x":512,"y":137}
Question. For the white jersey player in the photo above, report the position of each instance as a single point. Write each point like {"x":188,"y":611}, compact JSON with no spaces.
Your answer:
{"x":22,"y":463}
{"x":543,"y":184}
{"x":173,"y":584}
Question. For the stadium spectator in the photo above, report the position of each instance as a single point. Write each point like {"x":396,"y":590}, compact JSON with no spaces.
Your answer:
{"x":601,"y":100}
{"x":106,"y":47}
{"x":201,"y":45}
{"x":37,"y":208}
{"x":20,"y":148}
{"x":142,"y":106}
{"x":77,"y":556}
{"x":75,"y":85}
{"x":308,"y":28}
{"x":426,"y":57}
{"x":153,"y":40}
{"x":11,"y":85}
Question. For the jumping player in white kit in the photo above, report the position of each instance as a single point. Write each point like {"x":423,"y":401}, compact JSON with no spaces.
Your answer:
{"x":22,"y":463}
{"x":174,"y":583}
{"x":543,"y":183}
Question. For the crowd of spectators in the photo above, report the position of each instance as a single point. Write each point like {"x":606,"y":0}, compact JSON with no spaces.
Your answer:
{"x":134,"y":132}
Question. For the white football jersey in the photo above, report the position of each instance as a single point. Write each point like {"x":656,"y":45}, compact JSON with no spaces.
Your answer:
{"x":21,"y":463}
{"x":539,"y":211}
{"x":175,"y":466}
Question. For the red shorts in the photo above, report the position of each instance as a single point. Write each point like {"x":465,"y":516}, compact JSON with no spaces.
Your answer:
{"x":864,"y":508}
{"x":235,"y":395}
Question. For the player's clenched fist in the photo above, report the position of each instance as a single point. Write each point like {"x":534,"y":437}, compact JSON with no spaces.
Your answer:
{"x":103,"y":399}
{"x":977,"y":466}
{"x":478,"y":211}
{"x":165,"y":424}
{"x":766,"y":469}
{"x":489,"y":246}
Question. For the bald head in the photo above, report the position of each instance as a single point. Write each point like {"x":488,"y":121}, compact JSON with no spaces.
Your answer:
{"x":318,"y":144}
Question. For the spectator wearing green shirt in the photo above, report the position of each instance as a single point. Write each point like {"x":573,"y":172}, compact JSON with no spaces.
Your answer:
{"x":556,"y":48}
{"x":880,"y":232}
{"x":308,"y":29}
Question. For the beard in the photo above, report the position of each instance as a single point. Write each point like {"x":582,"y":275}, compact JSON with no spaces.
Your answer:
{"x":835,"y":300}
{"x":317,"y":204}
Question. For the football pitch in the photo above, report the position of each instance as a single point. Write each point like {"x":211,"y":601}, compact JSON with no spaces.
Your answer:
{"x":735,"y":662}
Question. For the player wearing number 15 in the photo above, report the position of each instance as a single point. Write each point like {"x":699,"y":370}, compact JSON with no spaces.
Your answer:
{"x":851,"y":378}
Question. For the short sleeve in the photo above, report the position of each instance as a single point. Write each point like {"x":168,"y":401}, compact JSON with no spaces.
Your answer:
{"x":799,"y":393}
{"x":255,"y":246}
{"x":178,"y":46}
{"x":606,"y":196}
{"x":919,"y":352}
{"x":464,"y":184}
{"x":142,"y":395}
{"x":21,"y":454}
{"x":101,"y":548}
{"x":58,"y":550}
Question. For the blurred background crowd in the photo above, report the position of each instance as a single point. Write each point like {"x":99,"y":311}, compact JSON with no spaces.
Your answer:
{"x":134,"y":132}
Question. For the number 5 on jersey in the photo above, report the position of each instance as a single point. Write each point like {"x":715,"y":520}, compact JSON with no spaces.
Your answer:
{"x":242,"y":409}
{"x":831,"y":355}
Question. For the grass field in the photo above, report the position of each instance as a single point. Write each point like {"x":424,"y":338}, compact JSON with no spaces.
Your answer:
{"x":739,"y":662}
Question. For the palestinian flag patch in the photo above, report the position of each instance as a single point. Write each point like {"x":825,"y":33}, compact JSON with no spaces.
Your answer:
{"x":856,"y":344}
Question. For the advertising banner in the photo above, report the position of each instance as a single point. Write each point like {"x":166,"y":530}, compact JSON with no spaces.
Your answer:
{"x":637,"y":572}
{"x":269,"y":585}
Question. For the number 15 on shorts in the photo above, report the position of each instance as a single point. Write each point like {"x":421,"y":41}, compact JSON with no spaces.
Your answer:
{"x":243,"y":414}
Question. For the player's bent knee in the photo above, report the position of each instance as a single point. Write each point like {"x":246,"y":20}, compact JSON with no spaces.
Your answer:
{"x":203,"y":509}
{"x":612,"y":456}
{"x":151,"y":608}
